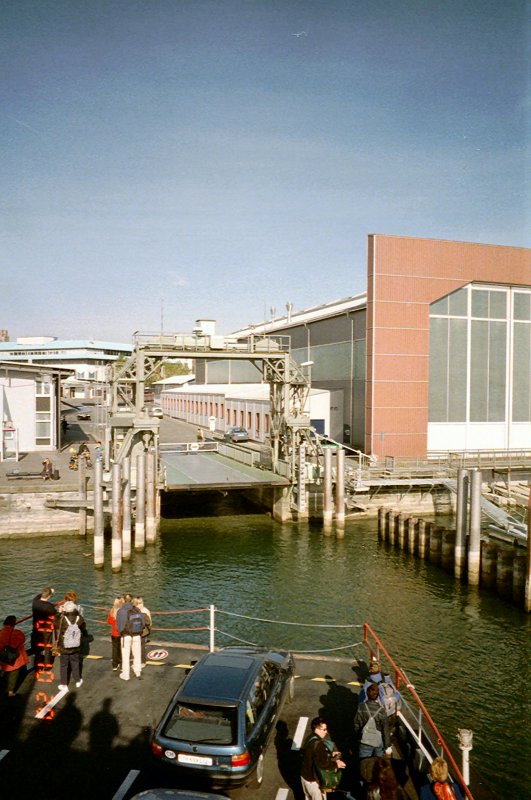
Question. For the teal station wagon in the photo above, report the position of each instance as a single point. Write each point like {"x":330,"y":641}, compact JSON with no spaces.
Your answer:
{"x":218,"y":723}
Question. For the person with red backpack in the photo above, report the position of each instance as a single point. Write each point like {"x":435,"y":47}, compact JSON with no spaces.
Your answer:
{"x":441,"y":785}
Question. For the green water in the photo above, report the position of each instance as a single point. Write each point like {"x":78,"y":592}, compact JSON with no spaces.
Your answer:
{"x":465,"y":651}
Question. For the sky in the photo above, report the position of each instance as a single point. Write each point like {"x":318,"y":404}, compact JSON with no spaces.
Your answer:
{"x":165,"y":161}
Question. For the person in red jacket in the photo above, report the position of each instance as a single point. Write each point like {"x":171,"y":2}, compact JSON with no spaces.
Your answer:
{"x":15,"y":638}
{"x":116,"y":639}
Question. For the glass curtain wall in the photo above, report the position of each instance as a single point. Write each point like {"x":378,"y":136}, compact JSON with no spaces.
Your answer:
{"x":480,"y":356}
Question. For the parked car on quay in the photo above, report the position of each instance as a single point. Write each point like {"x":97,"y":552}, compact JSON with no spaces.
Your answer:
{"x":219,"y":721}
{"x":83,"y":412}
{"x":157,"y":411}
{"x":236,"y":435}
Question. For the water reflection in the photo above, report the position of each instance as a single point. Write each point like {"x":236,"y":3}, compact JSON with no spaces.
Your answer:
{"x":460,"y":647}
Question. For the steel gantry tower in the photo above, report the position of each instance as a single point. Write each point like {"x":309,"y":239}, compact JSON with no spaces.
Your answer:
{"x":132,"y":428}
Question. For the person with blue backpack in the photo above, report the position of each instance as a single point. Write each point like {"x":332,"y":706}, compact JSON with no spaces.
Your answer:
{"x":70,"y":627}
{"x":130,"y":624}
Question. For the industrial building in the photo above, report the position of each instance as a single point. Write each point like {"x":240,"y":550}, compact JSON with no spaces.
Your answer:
{"x":434,"y":356}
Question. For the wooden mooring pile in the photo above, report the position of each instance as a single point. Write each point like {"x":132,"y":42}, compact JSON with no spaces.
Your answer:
{"x":476,"y":559}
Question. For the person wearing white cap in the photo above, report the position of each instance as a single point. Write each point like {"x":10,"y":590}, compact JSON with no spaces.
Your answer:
{"x":70,"y":627}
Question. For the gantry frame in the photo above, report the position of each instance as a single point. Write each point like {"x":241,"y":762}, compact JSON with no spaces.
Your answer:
{"x":289,"y":391}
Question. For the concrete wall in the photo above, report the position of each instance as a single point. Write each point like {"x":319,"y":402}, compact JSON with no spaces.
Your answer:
{"x":26,"y":513}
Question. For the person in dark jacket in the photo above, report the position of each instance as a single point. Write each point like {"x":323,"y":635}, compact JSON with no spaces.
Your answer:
{"x":372,"y":708}
{"x":9,"y":635}
{"x":43,"y":611}
{"x":317,"y":754}
{"x":70,"y":658}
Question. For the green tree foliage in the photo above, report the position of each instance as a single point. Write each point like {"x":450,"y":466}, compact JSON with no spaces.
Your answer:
{"x":168,"y":369}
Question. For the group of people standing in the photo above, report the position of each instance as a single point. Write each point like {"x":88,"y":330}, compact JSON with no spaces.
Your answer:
{"x":60,"y":631}
{"x":374,"y":722}
{"x":130,"y":623}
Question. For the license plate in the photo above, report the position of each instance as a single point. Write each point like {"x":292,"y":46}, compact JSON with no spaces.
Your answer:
{"x":182,"y":758}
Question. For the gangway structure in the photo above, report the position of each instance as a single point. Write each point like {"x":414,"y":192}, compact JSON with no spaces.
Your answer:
{"x":132,"y":429}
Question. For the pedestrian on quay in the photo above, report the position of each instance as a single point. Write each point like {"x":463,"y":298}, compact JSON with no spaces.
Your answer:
{"x":146,"y":614}
{"x":84,"y":453}
{"x":98,"y":451}
{"x":70,"y":628}
{"x":317,"y":756}
{"x":12,"y":639}
{"x":200,"y":435}
{"x":64,"y":425}
{"x":43,"y":612}
{"x":47,"y":470}
{"x":129,"y":622}
{"x":440,"y":785}
{"x":116,"y":639}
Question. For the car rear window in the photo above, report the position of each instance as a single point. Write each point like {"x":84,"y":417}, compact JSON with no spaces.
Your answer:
{"x":199,"y":723}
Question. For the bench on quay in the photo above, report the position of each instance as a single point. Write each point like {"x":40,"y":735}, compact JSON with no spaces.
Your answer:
{"x":20,"y":475}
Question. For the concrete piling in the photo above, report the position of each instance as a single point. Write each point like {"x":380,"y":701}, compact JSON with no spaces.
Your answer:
{"x":435,"y":544}
{"x":126,"y":521}
{"x":448,"y":548}
{"x":423,"y":539}
{"x":401,"y":530}
{"x":519,"y":567}
{"x":474,"y":546}
{"x":461,"y":521}
{"x":82,"y":472}
{"x":140,"y":517}
{"x":411,"y":534}
{"x":151,"y":489}
{"x":383,"y":524}
{"x":98,"y":516}
{"x":489,"y":561}
{"x":340,"y":488}
{"x":328,"y":506}
{"x":504,"y":573}
{"x":116,"y":550}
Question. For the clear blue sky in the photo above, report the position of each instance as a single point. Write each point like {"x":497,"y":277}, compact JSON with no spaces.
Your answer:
{"x":216,"y":158}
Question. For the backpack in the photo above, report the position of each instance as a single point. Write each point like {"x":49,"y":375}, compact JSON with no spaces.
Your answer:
{"x":388,"y":698}
{"x":370,"y":735}
{"x":72,"y":634}
{"x":328,"y":779}
{"x":135,"y":622}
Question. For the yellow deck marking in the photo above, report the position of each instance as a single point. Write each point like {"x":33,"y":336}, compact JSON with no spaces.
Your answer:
{"x":323,"y":680}
{"x":155,"y":663}
{"x":183,"y":666}
{"x":96,"y":658}
{"x":354,"y":683}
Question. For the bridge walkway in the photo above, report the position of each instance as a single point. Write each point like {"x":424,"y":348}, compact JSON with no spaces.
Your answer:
{"x":199,"y":467}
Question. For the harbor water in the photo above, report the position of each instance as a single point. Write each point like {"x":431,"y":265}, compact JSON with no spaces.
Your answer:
{"x":465,"y":651}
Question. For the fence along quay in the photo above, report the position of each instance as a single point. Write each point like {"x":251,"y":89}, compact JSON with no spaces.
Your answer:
{"x":417,"y":741}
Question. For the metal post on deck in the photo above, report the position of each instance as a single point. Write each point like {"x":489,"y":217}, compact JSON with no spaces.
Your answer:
{"x":126,"y":522}
{"x":140,"y":518}
{"x":151,"y":521}
{"x":82,"y":466}
{"x":461,"y":522}
{"x":116,"y":549}
{"x":98,"y":515}
{"x":212,"y":643}
{"x":340,"y":488}
{"x":328,"y":508}
{"x":474,"y":546}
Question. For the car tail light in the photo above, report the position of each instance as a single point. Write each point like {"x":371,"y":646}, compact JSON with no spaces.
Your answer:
{"x":156,"y":749}
{"x":241,"y":760}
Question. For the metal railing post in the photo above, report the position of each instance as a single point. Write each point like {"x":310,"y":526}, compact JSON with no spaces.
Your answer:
{"x":212,"y":628}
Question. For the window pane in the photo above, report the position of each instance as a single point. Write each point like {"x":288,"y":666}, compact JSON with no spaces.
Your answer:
{"x":497,"y":370}
{"x":522,"y":373}
{"x":480,"y":303}
{"x":522,"y":306}
{"x":457,"y":370}
{"x":498,"y":305}
{"x":439,"y":306}
{"x":479,"y":347}
{"x":458,"y":303}
{"x":438,"y":370}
